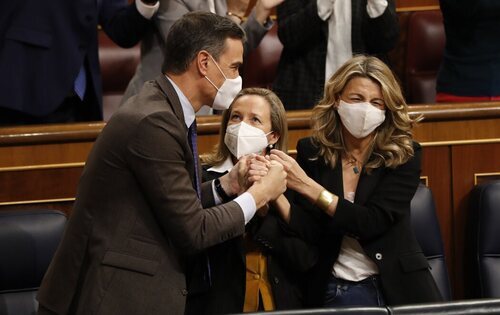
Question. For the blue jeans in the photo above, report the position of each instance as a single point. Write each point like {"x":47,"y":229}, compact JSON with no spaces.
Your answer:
{"x":366,"y":292}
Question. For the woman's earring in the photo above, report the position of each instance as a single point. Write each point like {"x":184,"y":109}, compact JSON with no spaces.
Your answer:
{"x":269,"y":147}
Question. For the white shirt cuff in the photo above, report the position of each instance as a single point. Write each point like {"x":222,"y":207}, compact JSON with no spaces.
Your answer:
{"x":376,"y":8}
{"x":147,"y":11}
{"x":247,"y":204}
{"x":325,"y":8}
{"x":245,"y":201}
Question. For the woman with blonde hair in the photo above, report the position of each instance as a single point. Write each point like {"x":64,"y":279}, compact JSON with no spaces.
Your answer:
{"x":351,"y":187}
{"x":247,"y":274}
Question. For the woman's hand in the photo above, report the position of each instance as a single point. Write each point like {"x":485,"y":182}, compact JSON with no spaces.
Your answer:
{"x":263,"y":9}
{"x":238,"y":7}
{"x":297,"y":179}
{"x":257,"y":168}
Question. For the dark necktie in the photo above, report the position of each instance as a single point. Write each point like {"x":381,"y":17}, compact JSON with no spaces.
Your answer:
{"x":80,"y":84}
{"x":205,"y":277}
{"x":192,"y":135}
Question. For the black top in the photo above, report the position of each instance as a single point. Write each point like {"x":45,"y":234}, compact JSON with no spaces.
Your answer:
{"x":379,"y":219}
{"x":471,"y":61}
{"x":287,"y":260}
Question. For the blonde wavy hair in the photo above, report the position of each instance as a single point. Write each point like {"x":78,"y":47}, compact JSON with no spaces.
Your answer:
{"x":392,"y":144}
{"x":278,"y":125}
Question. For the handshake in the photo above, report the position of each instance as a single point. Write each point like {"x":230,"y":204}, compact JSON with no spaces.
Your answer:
{"x":264,"y":177}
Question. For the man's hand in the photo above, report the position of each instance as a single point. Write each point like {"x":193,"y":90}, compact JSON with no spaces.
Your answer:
{"x":235,"y":182}
{"x":297,"y":179}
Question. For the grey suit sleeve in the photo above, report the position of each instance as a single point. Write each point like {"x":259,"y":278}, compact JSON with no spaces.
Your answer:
{"x":157,"y":156}
{"x":254,"y":31}
{"x":169,"y":12}
{"x":172,"y":10}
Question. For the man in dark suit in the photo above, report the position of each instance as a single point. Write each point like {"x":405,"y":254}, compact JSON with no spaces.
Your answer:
{"x":140,"y":207}
{"x":49,"y":65}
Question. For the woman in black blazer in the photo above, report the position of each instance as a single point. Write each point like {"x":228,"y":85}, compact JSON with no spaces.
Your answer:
{"x":274,"y":278}
{"x":350,"y":192}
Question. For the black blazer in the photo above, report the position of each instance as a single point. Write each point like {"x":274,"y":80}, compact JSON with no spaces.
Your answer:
{"x":471,"y":59}
{"x":379,"y":219}
{"x":301,"y":71}
{"x":43,"y":45}
{"x":288,"y":258}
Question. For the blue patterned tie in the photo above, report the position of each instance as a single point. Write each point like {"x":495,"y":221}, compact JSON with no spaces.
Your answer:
{"x":192,"y":135}
{"x":81,"y":83}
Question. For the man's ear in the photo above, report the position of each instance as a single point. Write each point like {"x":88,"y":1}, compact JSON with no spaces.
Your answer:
{"x":202,"y":59}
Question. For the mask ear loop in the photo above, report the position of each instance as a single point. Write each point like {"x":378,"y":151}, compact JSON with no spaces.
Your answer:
{"x":220,"y":70}
{"x":217,"y":65}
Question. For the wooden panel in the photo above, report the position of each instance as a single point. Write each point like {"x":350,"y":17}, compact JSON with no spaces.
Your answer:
{"x":461,"y":147}
{"x":468,"y":161}
{"x":416,"y":4}
{"x":39,"y":184}
{"x":436,"y":167}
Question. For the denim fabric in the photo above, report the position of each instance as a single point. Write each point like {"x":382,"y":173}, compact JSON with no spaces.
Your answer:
{"x":366,"y":292}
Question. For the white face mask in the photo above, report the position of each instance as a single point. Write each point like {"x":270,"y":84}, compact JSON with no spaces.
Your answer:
{"x":360,"y":119}
{"x":242,"y":139}
{"x":227,"y":92}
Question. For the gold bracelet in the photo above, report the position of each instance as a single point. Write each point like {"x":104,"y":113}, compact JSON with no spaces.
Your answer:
{"x":324,"y":200}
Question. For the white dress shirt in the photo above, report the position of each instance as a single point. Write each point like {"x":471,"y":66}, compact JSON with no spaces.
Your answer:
{"x":146,"y":10}
{"x":338,"y":13}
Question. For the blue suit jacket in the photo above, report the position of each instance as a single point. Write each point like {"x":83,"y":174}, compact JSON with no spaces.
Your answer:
{"x":43,"y":45}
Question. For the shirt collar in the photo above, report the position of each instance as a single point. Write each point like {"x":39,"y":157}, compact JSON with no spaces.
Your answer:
{"x":187,"y":108}
{"x":226,"y":166}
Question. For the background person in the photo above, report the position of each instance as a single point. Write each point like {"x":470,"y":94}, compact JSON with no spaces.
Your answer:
{"x":49,"y":62}
{"x":318,"y":36}
{"x":470,"y":69}
{"x":256,"y":26}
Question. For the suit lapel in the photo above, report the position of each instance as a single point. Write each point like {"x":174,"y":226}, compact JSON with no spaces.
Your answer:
{"x":175,"y":104}
{"x":172,"y":98}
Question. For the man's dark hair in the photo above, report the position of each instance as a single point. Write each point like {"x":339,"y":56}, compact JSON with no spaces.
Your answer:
{"x":194,"y":32}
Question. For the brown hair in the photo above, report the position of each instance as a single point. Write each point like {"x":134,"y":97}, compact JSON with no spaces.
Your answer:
{"x":393,"y":141}
{"x":278,"y":125}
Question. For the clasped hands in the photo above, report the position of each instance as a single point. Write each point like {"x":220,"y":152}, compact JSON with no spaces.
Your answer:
{"x":259,"y":166}
{"x":256,"y":167}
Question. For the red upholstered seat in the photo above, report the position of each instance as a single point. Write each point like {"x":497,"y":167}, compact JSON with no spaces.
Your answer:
{"x":117,"y":68}
{"x":259,"y":68}
{"x":425,"y":45}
